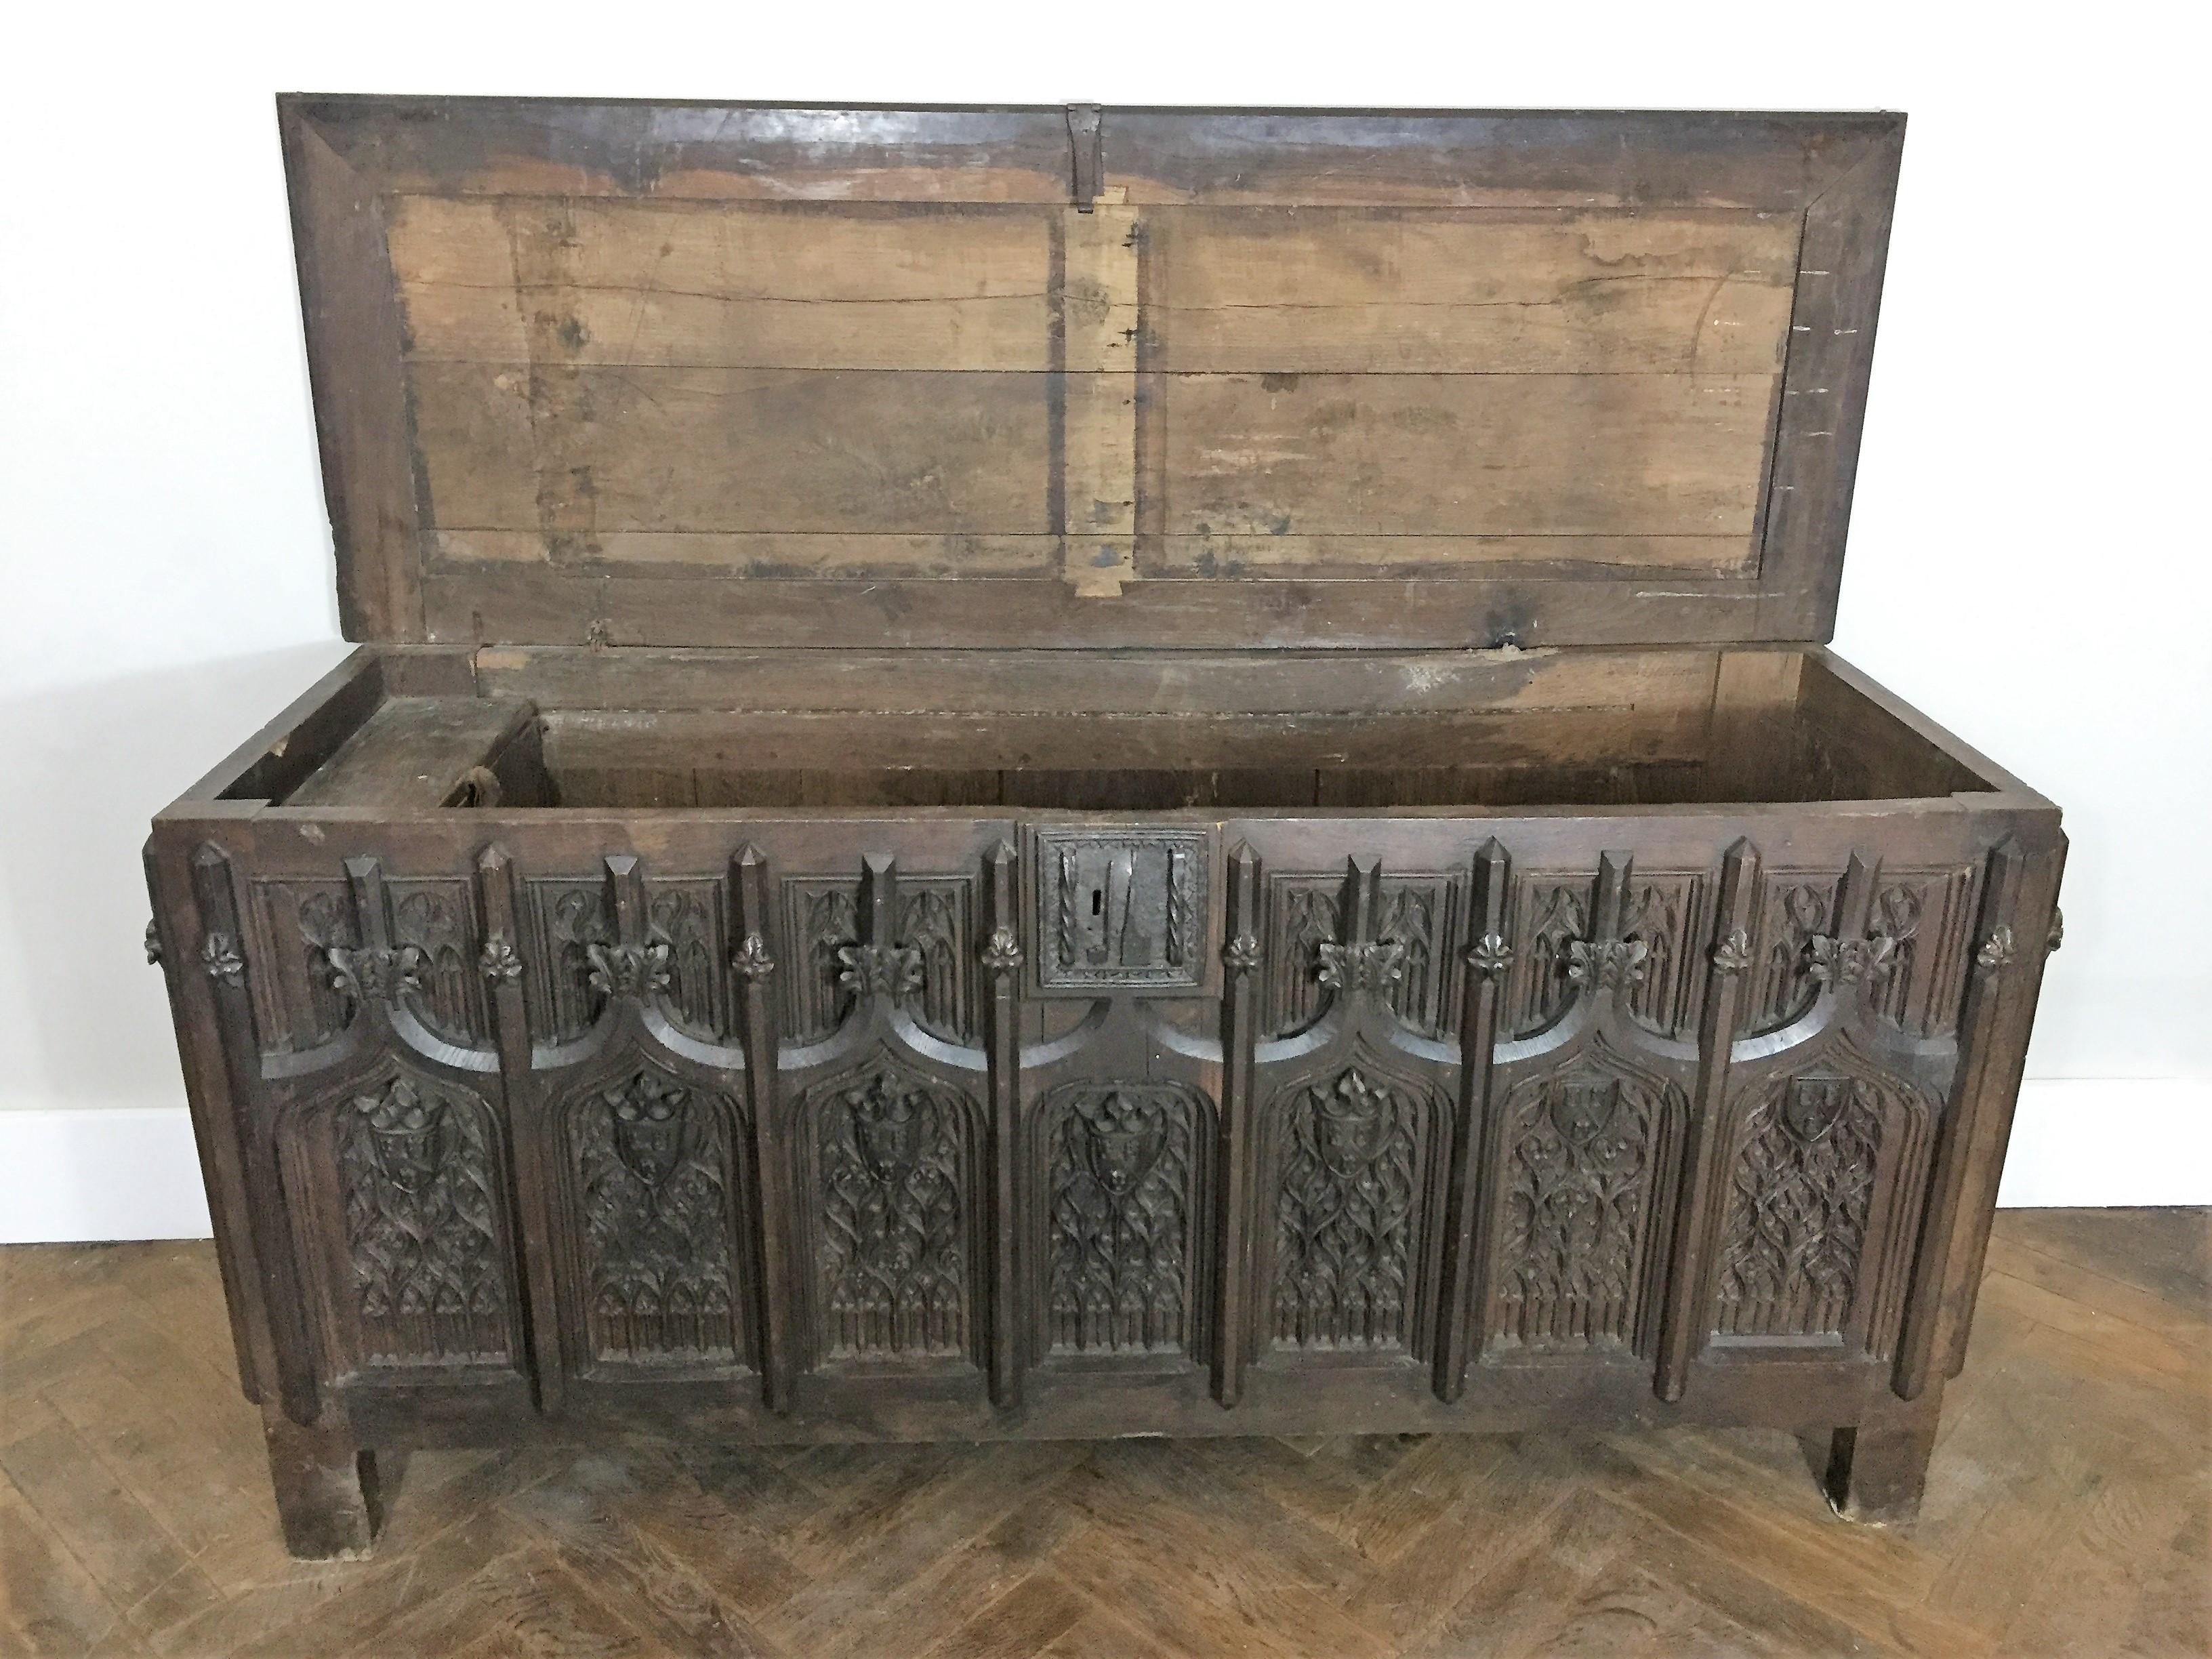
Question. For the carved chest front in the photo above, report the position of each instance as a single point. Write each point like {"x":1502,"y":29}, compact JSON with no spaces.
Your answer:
{"x":1058,"y":772}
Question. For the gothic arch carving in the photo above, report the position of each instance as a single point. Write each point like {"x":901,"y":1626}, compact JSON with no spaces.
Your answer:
{"x":895,"y":1198}
{"x":1122,"y":1206}
{"x":1354,"y":1159}
{"x":1823,"y":1163}
{"x":1592,"y":1148}
{"x":653,"y":1170}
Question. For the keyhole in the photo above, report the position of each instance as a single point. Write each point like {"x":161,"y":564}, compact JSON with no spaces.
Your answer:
{"x":1097,"y":900}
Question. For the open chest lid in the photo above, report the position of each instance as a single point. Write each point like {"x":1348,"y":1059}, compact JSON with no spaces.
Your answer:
{"x":705,"y":375}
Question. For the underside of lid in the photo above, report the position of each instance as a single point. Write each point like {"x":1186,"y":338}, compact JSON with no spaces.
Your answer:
{"x":739,"y":375}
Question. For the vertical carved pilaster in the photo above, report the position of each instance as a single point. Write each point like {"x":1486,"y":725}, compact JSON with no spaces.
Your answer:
{"x":1468,"y":1229}
{"x":1682,"y":1321}
{"x":221,"y":963}
{"x":1241,"y":961}
{"x":754,"y":964}
{"x":1002,"y":967}
{"x":502,"y":967}
{"x":1941,"y":1294}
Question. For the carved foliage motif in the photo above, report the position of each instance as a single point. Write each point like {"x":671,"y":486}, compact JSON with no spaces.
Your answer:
{"x":1799,"y":1203}
{"x":1589,"y":1141}
{"x":1418,"y":915}
{"x":687,"y":917}
{"x":651,"y":1157}
{"x":1120,"y":1161}
{"x":1551,"y":915}
{"x":417,"y":1175}
{"x":1352,"y":1161}
{"x":821,"y":924}
{"x":1796,"y":908}
{"x":436,"y":922}
{"x":571,"y":922}
{"x":894,"y":1168}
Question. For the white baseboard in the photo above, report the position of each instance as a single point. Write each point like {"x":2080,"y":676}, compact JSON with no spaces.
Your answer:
{"x":131,"y":1172}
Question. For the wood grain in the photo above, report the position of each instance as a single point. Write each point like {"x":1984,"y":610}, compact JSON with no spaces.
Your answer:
{"x":134,"y":1523}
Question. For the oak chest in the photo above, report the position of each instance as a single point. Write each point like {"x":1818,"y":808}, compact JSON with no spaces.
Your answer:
{"x":1075,"y":771}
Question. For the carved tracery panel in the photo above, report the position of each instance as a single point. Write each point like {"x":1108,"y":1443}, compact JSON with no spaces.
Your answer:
{"x":1353,"y":1160}
{"x":418,"y":1183}
{"x":1591,"y":1147}
{"x":651,"y":1163}
{"x":1826,"y":1164}
{"x":894,"y":1187}
{"x":1419,"y":913}
{"x":1122,"y":1162}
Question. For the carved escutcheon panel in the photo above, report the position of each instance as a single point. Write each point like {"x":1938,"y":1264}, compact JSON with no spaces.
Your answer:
{"x":1120,"y":910}
{"x":895,"y":1192}
{"x":651,"y":1168}
{"x":418,"y":1183}
{"x":1354,"y":1160}
{"x":1123,"y":1166}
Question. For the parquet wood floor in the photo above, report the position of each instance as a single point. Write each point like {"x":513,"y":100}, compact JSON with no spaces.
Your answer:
{"x":2068,"y":1513}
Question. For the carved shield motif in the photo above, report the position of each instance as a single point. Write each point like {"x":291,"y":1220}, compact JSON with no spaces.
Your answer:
{"x":1350,"y":1124}
{"x":410,"y":1135}
{"x":887,"y":1125}
{"x":649,"y":1121}
{"x":1812,"y":1105}
{"x":1582,"y":1108}
{"x":1125,"y":1134}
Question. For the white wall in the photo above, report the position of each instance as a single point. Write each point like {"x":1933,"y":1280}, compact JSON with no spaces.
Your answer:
{"x":2028,"y":560}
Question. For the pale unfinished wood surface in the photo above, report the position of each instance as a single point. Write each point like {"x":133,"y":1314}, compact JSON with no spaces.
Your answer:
{"x":2068,"y":1513}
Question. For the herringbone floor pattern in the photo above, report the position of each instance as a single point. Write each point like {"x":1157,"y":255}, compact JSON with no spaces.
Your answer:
{"x":2069,"y":1513}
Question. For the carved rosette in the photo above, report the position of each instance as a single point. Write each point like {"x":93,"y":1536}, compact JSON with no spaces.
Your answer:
{"x":1119,"y":1196}
{"x":750,"y":960}
{"x":1002,"y":953}
{"x":1490,"y":956}
{"x":1241,"y":955}
{"x":417,"y":1178}
{"x":220,"y":960}
{"x":1998,"y":952}
{"x":501,"y":963}
{"x":1733,"y":954}
{"x":893,"y":1171}
{"x":650,"y":1160}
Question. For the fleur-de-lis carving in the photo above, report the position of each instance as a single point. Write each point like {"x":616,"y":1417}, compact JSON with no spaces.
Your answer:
{"x":501,"y":963}
{"x":630,"y":970}
{"x":881,"y":970}
{"x":1838,"y":962}
{"x":751,"y":960}
{"x":219,"y":957}
{"x":1374,"y":967}
{"x":1241,"y":954}
{"x":1002,"y":952}
{"x":153,"y":944}
{"x":1607,"y":963}
{"x":1733,"y":954}
{"x":375,"y":975}
{"x":1998,"y":951}
{"x":1490,"y":956}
